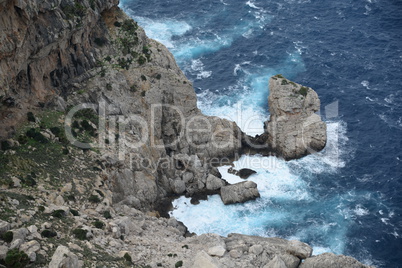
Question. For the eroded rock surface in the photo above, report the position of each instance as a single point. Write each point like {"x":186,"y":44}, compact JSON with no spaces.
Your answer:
{"x":239,"y":192}
{"x":294,"y":129}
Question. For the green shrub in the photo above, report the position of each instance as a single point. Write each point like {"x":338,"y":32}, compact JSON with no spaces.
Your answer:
{"x":41,"y":208}
{"x":22,"y":139}
{"x":80,"y":234}
{"x":48,"y":233}
{"x":279,"y":76}
{"x":303,"y":91}
{"x":143,"y":78}
{"x":98,"y":224}
{"x":31,"y":117}
{"x":75,"y":124}
{"x":8,"y":236}
{"x":127,"y":257}
{"x":143,"y":93}
{"x":100,"y":41}
{"x":36,"y":135}
{"x":158,"y":76}
{"x":159,"y":264}
{"x":76,"y":10}
{"x":185,"y":246}
{"x":94,"y":199}
{"x":117,"y":24}
{"x":284,"y":82}
{"x":178,"y":264}
{"x":87,"y":126}
{"x":16,"y":259}
{"x":74,"y":212}
{"x":109,"y":86}
{"x":130,"y":27}
{"x":107,"y":214}
{"x":5,"y":145}
{"x":100,"y":193}
{"x":59,"y":213}
{"x":56,"y":131}
{"x":141,"y":60}
{"x":29,"y":180}
{"x":71,"y":197}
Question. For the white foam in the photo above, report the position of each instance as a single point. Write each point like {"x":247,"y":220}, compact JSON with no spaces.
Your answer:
{"x":365,"y":84}
{"x":252,"y":5}
{"x":361,"y":211}
{"x":317,"y":250}
{"x":197,"y":68}
{"x":248,"y":117}
{"x":161,"y":30}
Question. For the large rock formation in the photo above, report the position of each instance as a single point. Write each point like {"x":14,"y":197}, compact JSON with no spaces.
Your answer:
{"x":294,"y":128}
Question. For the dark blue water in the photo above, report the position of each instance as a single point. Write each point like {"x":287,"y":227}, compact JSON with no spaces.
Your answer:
{"x":349,"y":197}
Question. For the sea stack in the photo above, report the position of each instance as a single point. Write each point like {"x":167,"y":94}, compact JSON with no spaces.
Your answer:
{"x":294,"y":129}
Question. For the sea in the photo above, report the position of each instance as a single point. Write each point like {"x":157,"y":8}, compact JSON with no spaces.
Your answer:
{"x":346,"y":199}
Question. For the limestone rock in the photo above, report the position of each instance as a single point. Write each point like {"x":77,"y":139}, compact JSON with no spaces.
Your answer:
{"x":30,"y":248}
{"x":64,"y":258}
{"x":3,"y":252}
{"x":273,"y":246}
{"x":256,"y":249}
{"x":294,"y":130}
{"x":4,"y":226}
{"x":218,"y":251}
{"x":276,"y":262}
{"x":331,"y":260}
{"x":239,"y":192}
{"x":214,"y":183}
{"x":203,"y":260}
{"x":299,"y":249}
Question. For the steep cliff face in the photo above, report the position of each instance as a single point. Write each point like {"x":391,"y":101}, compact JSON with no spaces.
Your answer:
{"x":294,"y":129}
{"x":44,"y":45}
{"x":59,"y":54}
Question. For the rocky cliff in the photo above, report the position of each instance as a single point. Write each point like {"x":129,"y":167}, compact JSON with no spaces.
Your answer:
{"x":99,"y":128}
{"x":294,"y":129}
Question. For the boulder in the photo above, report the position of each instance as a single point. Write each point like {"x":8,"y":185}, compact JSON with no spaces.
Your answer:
{"x":244,"y":173}
{"x":218,"y":251}
{"x":294,"y":129}
{"x":214,"y":183}
{"x":239,"y":192}
{"x":64,"y":258}
{"x":256,"y":250}
{"x":203,"y":260}
{"x":3,"y":252}
{"x":4,"y":226}
{"x":333,"y":261}
{"x":276,"y":262}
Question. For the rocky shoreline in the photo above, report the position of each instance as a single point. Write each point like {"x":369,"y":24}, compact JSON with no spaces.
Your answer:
{"x":100,"y":128}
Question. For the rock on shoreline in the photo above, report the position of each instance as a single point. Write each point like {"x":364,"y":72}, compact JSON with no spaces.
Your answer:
{"x":294,"y":129}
